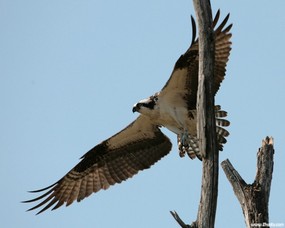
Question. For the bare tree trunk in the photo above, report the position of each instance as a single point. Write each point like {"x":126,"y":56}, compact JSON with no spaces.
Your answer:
{"x":206,"y":117}
{"x":206,"y":125}
{"x":254,"y":197}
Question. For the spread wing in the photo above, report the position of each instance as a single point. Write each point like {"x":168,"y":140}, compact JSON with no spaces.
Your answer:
{"x":184,"y":78}
{"x":116,"y":159}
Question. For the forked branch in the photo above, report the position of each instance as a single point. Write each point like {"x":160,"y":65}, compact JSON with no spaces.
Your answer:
{"x":254,"y":197}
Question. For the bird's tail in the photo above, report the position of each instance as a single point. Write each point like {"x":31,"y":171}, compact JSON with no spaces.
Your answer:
{"x":222,"y":133}
{"x":193,"y":149}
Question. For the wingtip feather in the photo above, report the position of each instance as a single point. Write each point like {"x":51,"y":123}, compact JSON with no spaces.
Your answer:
{"x":194,"y":30}
{"x":216,"y":19}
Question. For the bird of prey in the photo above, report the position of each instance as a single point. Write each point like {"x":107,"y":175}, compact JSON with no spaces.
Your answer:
{"x":141,"y":143}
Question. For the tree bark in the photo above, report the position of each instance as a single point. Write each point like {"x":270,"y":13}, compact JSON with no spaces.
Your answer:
{"x":254,"y":197}
{"x":206,"y":126}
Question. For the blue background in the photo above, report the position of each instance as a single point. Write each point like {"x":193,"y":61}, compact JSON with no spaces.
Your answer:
{"x":70,"y":74}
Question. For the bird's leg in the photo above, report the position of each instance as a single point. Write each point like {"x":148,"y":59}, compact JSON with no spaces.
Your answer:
{"x":188,"y":144}
{"x":181,"y":144}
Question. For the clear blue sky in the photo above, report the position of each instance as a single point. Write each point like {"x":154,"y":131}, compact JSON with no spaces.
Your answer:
{"x":70,"y":73}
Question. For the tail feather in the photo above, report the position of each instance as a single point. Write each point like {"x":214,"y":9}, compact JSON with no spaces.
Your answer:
{"x":222,"y":133}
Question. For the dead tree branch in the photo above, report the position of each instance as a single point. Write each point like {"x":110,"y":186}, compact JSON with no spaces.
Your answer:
{"x":206,"y":118}
{"x":206,"y":126}
{"x":254,"y":197}
{"x":180,"y":221}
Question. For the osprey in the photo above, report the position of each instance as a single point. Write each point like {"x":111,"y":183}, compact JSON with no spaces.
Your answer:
{"x":141,"y":144}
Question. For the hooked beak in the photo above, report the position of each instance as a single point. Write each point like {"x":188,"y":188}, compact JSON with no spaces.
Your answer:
{"x":136,"y":107}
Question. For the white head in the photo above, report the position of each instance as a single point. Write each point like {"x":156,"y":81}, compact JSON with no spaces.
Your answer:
{"x":148,"y":106}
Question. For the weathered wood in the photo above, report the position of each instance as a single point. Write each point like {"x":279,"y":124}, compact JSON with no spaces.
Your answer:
{"x":254,"y":197}
{"x":206,"y":126}
{"x":180,"y":221}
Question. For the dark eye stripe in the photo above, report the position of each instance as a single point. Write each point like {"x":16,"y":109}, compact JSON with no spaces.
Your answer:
{"x":149,"y":105}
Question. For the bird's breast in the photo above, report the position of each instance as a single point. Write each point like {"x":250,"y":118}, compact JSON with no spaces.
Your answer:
{"x":177,"y":119}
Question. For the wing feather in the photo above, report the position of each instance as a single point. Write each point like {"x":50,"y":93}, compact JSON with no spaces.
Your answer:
{"x":116,"y":159}
{"x":184,"y":77}
{"x":82,"y":189}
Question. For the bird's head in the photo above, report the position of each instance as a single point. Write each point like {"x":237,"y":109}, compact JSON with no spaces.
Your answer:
{"x":147,"y":106}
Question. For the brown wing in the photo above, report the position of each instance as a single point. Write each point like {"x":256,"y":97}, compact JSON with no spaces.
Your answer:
{"x":116,"y":159}
{"x":184,"y":78}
